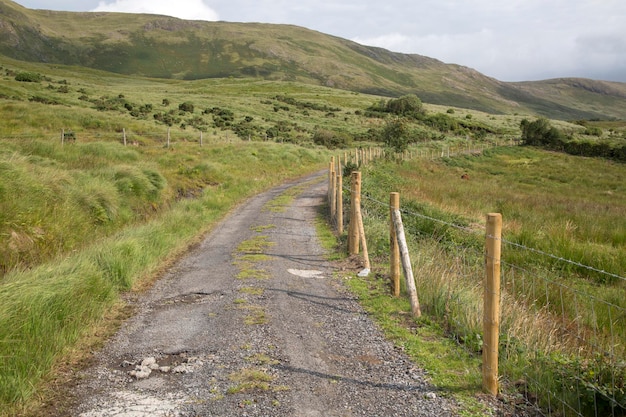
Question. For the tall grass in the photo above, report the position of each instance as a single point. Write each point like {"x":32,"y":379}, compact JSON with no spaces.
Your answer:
{"x":47,"y":307}
{"x":561,"y":326}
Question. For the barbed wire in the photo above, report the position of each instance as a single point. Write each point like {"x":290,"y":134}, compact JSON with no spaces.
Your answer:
{"x":561,"y":259}
{"x":562,"y":285}
{"x":539,"y":277}
{"x":508,"y":242}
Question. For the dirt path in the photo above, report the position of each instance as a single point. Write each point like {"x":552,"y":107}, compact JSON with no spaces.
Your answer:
{"x":253,"y":323}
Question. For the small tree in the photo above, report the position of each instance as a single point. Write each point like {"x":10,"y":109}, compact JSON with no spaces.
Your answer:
{"x":540,"y":132}
{"x":395,"y":134}
{"x":409,"y":106}
{"x":186,"y":107}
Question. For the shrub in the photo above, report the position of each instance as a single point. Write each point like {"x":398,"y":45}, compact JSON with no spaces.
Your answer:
{"x":540,"y":132}
{"x":331,"y":139}
{"x":593,"y":131}
{"x":186,"y":107}
{"x":409,"y":105}
{"x":395,"y":134}
{"x":442,"y":122}
{"x":44,"y":100}
{"x":28,"y":77}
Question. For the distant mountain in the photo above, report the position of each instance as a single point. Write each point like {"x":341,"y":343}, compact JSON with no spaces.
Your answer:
{"x":165,"y":47}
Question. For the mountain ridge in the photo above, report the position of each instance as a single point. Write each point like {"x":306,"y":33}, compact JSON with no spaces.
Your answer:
{"x":166,"y":47}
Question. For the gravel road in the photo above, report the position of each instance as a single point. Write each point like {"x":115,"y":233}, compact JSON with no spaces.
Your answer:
{"x":253,"y":322}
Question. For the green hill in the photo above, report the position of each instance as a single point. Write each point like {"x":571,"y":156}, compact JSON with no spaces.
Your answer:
{"x":165,"y":47}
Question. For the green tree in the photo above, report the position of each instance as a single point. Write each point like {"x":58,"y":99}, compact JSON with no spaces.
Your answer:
{"x":395,"y":134}
{"x":409,"y":105}
{"x":540,"y":133}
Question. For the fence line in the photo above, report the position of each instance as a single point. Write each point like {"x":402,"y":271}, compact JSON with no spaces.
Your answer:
{"x":570,"y":339}
{"x":128,"y":137}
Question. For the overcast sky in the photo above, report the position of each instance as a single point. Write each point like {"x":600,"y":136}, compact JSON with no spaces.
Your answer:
{"x":511,"y":40}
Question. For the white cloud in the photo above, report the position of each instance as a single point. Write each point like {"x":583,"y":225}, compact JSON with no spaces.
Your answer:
{"x":184,"y":9}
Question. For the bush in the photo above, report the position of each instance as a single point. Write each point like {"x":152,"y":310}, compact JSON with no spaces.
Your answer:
{"x":409,"y":105}
{"x":331,"y":139}
{"x":395,"y":134}
{"x":593,"y":131}
{"x":186,"y":107}
{"x":540,"y":132}
{"x":28,"y":77}
{"x":442,"y":122}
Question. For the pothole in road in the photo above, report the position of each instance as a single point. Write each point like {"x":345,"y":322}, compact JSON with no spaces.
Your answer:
{"x":192,"y":298}
{"x":182,"y":363}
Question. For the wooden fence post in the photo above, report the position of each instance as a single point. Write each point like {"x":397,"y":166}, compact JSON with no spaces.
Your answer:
{"x":339,"y":199}
{"x":366,"y":256}
{"x":406,"y":264}
{"x":331,"y":166}
{"x":124,"y":132}
{"x":491,"y":314}
{"x":168,"y":137}
{"x":394,"y":260}
{"x":333,"y":192}
{"x":353,"y":227}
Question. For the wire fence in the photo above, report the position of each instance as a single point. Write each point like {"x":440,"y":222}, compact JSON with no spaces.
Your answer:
{"x":562,"y":334}
{"x":145,"y":138}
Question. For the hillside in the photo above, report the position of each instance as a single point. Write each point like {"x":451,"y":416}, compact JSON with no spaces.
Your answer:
{"x":164,"y":47}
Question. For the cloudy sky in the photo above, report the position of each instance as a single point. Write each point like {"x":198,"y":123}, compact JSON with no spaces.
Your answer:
{"x":511,"y":40}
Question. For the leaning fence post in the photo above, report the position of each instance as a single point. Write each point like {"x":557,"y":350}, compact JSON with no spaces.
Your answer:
{"x":394,"y":260}
{"x":366,"y":257}
{"x":491,"y":314}
{"x":353,"y":227}
{"x":406,"y":264}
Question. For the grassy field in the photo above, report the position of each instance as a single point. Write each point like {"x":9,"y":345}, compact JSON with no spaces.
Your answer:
{"x":85,"y":220}
{"x":557,"y":317}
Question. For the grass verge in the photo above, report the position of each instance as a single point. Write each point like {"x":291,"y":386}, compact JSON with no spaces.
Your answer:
{"x":48,"y":309}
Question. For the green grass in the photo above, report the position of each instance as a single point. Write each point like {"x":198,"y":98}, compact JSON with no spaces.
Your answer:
{"x":86,"y":221}
{"x":47,"y":307}
{"x":452,"y":370}
{"x":547,"y":201}
{"x":250,"y":380}
{"x":172,"y":49}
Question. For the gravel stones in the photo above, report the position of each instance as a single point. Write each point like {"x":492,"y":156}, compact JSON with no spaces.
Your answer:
{"x":294,"y":343}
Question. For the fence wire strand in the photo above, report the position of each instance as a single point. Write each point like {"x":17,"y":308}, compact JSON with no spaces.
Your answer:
{"x":582,"y":326}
